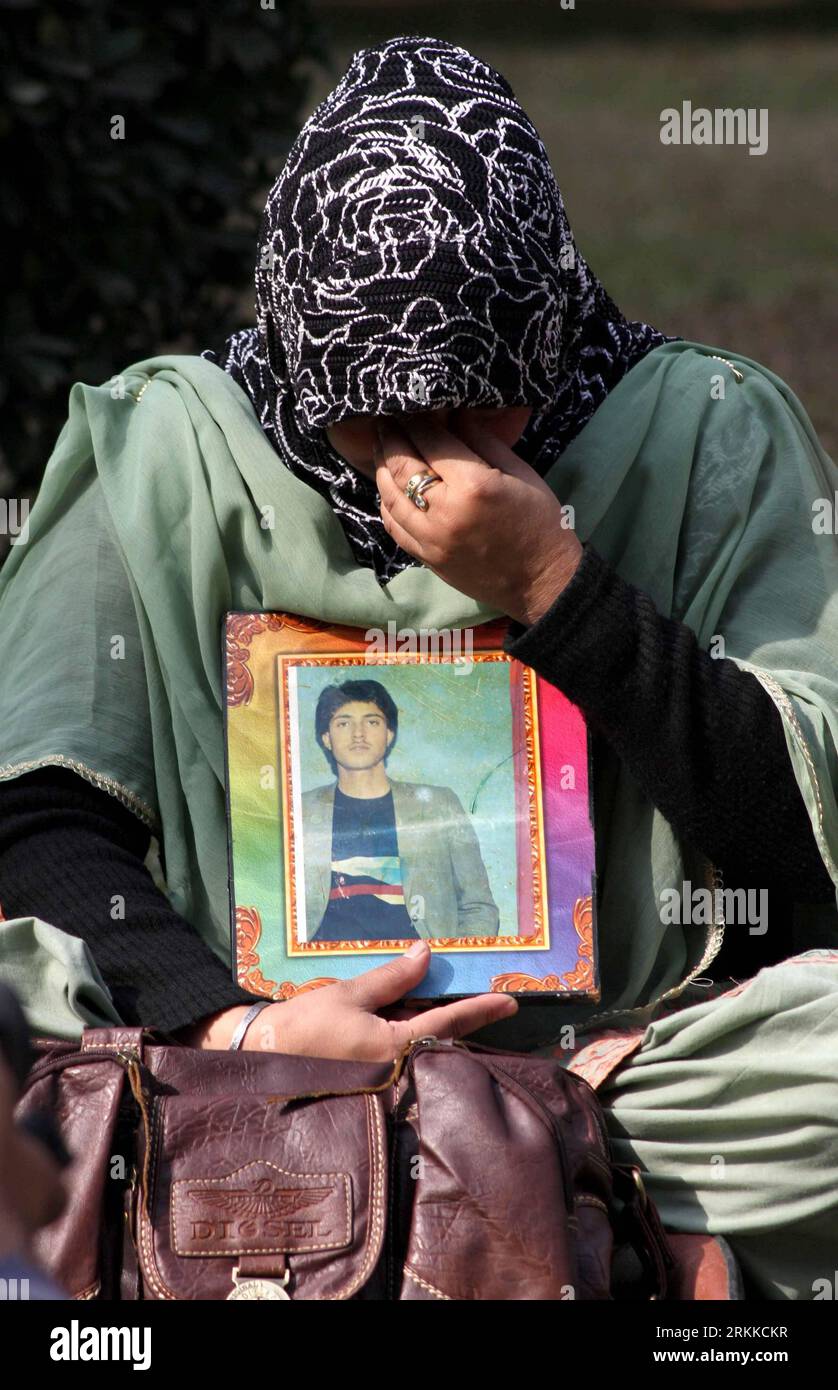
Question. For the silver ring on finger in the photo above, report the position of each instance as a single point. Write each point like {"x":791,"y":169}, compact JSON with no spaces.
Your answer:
{"x":419,"y":484}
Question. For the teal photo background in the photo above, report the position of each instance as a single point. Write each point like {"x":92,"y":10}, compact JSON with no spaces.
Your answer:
{"x":455,"y":730}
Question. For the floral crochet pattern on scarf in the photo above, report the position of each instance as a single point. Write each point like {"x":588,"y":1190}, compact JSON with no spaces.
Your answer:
{"x":415,"y":253}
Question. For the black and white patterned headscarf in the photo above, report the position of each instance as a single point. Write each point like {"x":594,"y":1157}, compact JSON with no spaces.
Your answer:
{"x":415,"y":253}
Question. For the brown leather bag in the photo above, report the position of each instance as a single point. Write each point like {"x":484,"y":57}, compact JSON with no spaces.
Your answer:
{"x":456,"y":1173}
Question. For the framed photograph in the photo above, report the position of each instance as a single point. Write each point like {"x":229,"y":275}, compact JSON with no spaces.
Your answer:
{"x":384,"y":787}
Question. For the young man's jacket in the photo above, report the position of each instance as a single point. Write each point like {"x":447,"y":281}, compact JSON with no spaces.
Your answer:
{"x":446,"y":888}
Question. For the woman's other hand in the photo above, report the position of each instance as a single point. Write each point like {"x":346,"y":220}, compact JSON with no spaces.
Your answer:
{"x":493,"y":528}
{"x":341,"y":1021}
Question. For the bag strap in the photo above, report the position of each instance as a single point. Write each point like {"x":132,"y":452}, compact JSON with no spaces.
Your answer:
{"x":643,"y":1262}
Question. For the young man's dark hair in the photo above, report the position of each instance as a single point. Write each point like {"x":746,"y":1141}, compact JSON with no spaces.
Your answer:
{"x":333,"y":697}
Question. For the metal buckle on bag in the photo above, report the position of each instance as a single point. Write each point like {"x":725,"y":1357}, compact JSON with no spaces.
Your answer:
{"x":641,"y":1187}
{"x":643,"y":1196}
{"x":259,"y":1288}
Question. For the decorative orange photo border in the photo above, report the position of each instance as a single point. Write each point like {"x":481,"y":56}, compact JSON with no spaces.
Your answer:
{"x":529,"y":820}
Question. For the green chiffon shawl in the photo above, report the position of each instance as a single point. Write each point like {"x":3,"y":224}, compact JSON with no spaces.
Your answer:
{"x":163,"y":505}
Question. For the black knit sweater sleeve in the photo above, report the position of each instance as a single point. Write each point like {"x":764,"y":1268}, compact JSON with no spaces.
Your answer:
{"x":73,"y":855}
{"x":702,"y":738}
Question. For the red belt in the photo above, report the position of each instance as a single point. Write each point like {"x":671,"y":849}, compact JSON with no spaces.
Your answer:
{"x":353,"y":890}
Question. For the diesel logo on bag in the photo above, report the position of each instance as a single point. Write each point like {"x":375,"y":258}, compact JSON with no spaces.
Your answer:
{"x":261,"y":1207}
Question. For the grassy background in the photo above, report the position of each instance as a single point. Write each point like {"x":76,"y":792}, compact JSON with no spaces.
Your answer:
{"x":708,"y":242}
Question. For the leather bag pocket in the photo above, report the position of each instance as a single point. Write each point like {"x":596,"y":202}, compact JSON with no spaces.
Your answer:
{"x":493,"y":1208}
{"x":83,"y":1094}
{"x":284,"y":1190}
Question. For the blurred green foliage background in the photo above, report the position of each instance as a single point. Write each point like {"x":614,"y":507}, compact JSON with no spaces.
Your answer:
{"x":115,"y":247}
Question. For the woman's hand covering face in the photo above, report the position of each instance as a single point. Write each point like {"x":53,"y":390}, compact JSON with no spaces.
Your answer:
{"x":493,"y":528}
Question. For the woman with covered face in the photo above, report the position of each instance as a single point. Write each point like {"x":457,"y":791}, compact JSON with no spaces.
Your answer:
{"x":435,"y":384}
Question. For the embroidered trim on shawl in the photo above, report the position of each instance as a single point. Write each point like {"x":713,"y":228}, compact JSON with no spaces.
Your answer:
{"x":712,"y":946}
{"x":97,"y":779}
{"x":787,"y":711}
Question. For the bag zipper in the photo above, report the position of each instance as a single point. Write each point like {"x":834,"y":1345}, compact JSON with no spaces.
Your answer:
{"x":78,"y":1058}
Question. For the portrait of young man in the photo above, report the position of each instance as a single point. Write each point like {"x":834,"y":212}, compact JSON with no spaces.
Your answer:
{"x":385,"y":859}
